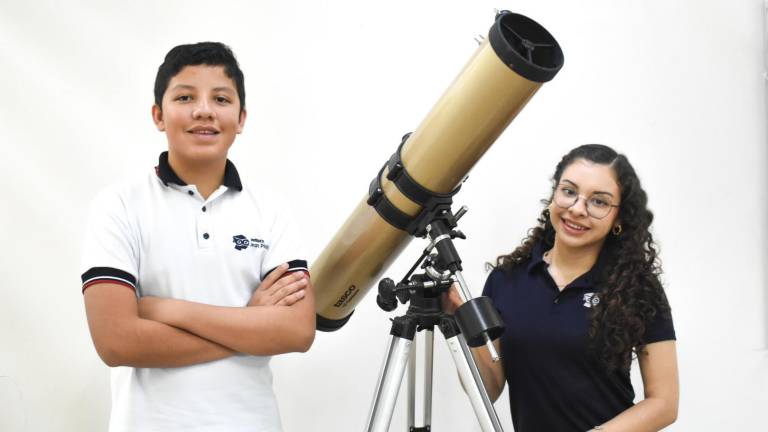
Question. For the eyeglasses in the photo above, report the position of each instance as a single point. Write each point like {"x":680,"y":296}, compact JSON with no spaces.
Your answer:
{"x":598,"y":205}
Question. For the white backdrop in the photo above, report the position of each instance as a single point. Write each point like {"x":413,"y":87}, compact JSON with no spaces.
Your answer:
{"x":331,"y":86}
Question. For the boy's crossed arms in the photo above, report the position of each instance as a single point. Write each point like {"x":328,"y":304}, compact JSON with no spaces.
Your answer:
{"x":166,"y":332}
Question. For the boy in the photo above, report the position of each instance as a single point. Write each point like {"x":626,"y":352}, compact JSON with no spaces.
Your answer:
{"x":183,"y":282}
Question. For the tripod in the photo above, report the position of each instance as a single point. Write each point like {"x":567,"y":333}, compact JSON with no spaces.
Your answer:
{"x":475,"y":323}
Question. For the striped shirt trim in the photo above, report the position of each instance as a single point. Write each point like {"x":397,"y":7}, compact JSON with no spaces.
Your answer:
{"x":293,"y":266}
{"x":107,"y":275}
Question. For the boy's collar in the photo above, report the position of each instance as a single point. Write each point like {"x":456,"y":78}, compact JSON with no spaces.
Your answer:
{"x":167,"y":175}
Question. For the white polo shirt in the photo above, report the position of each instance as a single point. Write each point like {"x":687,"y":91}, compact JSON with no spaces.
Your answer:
{"x":159,"y":237}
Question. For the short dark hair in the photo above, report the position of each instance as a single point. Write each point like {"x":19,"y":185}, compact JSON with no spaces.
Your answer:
{"x":201,"y":53}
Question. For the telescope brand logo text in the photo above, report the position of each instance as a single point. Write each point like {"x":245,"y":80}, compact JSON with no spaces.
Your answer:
{"x":348,"y":295}
{"x":242,"y":242}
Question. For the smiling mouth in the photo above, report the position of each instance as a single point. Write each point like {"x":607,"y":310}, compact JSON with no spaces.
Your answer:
{"x":203,"y":130}
{"x":574,"y":226}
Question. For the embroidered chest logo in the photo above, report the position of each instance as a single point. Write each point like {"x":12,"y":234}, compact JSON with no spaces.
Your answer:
{"x":591,"y":299}
{"x":242,"y":242}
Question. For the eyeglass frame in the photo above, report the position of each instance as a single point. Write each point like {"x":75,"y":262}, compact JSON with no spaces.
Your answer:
{"x":586,"y":200}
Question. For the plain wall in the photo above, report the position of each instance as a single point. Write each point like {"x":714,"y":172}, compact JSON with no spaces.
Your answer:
{"x":331,"y":87}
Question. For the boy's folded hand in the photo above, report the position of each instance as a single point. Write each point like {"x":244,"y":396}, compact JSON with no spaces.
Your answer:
{"x":280,"y":288}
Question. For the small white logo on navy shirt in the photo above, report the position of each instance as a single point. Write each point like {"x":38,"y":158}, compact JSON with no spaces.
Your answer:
{"x":591,"y":299}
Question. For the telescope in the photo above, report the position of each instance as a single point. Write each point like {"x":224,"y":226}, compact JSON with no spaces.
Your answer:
{"x":418,"y":181}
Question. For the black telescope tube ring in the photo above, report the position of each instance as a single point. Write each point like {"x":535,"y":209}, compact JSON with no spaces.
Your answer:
{"x":477,"y":317}
{"x":329,"y":325}
{"x":384,"y":207}
{"x":431,"y":202}
{"x":526,"y":47}
{"x":410,"y":187}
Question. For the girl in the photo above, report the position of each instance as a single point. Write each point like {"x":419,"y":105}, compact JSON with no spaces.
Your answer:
{"x":581,"y":298}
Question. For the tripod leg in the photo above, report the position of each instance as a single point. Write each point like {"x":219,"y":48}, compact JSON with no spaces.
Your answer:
{"x":391,"y":376}
{"x":429,"y":336}
{"x":412,"y":385}
{"x":471,"y":379}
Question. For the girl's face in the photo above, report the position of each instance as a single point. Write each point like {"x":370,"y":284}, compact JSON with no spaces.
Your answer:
{"x":584,"y":206}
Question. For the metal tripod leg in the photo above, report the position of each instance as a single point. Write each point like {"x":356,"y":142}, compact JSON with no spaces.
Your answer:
{"x":429,"y":336}
{"x":391,"y":375}
{"x":473,"y":382}
{"x":400,"y":349}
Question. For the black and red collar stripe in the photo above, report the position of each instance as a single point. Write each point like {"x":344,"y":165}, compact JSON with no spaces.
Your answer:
{"x":167,"y":175}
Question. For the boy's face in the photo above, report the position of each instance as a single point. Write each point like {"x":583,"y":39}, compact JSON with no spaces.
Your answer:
{"x":200,"y":114}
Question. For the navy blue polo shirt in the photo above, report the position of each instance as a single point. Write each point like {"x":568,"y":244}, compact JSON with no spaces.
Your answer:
{"x":555,"y":382}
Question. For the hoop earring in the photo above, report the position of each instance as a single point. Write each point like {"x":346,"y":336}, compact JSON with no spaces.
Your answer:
{"x":616,"y":230}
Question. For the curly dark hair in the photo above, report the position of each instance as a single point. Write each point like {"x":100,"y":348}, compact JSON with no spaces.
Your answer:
{"x":631,"y":293}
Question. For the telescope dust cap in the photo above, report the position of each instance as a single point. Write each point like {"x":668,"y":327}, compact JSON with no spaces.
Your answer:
{"x":525,"y":46}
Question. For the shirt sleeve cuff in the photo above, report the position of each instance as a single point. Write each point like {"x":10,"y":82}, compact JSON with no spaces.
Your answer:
{"x":293,"y":266}
{"x":107,"y":275}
